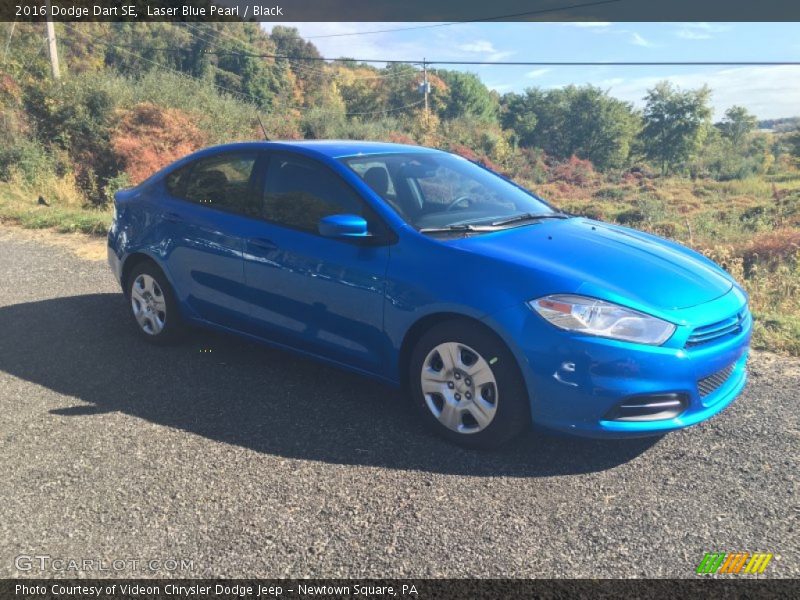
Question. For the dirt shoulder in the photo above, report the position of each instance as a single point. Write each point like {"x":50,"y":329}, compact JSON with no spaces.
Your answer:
{"x":87,"y":247}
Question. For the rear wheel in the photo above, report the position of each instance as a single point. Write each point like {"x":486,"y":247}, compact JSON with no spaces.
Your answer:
{"x":153,"y":305}
{"x":466,"y":385}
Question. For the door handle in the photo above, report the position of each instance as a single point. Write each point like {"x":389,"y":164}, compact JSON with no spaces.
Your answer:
{"x":263,"y":244}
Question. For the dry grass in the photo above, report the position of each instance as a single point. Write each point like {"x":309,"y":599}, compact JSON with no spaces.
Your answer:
{"x":20,"y":205}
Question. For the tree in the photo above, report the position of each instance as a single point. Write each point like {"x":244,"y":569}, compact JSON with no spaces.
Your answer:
{"x":675,"y":124}
{"x":310,"y":73}
{"x":583,"y":121}
{"x":518,"y":114}
{"x":737,"y":124}
{"x":468,"y":97}
{"x":792,"y":140}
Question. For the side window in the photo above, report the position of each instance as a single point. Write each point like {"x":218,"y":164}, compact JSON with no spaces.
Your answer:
{"x":223,"y":182}
{"x":376,"y":175}
{"x":176,"y":179}
{"x":300,"y":192}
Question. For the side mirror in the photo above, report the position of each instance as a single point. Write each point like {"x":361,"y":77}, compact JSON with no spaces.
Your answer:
{"x":343,"y":226}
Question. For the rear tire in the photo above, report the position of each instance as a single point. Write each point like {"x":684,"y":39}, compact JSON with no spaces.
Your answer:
{"x":466,"y":385}
{"x":153,"y":306}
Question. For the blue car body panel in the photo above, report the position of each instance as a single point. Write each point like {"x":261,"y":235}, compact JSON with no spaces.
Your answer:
{"x":353,"y":304}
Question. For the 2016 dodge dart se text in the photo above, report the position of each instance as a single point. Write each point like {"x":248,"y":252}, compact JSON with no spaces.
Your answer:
{"x":488,"y":306}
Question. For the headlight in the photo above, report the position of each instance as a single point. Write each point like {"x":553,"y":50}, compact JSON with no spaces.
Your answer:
{"x":604,"y":319}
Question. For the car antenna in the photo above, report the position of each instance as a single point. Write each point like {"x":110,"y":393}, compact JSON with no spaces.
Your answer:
{"x":264,"y":131}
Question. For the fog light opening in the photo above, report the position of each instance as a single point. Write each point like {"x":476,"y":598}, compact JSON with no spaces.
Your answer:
{"x":652,"y":407}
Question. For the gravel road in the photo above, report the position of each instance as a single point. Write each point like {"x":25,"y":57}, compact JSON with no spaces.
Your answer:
{"x":251,"y":462}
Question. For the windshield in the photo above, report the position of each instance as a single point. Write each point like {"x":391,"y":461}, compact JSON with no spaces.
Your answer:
{"x":438,"y":190}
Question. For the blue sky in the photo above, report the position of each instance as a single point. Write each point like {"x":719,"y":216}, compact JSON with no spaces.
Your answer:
{"x":768,"y":92}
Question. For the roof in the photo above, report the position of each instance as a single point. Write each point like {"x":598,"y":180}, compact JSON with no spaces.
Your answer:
{"x":333,"y":148}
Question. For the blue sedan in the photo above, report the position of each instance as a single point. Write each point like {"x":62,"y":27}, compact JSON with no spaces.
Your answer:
{"x":489,"y":307}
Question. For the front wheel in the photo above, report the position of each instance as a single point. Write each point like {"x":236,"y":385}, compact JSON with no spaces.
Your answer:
{"x":466,"y":385}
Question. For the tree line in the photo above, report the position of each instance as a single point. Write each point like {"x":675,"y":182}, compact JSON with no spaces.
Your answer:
{"x":303,"y":96}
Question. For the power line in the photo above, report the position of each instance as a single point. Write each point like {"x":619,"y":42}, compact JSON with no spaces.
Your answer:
{"x":306,"y":69}
{"x":539,"y":63}
{"x":451,"y":23}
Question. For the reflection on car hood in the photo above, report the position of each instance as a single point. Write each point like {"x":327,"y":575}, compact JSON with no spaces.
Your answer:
{"x":597,"y":257}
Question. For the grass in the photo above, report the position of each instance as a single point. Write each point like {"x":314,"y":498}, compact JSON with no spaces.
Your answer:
{"x":20,"y":206}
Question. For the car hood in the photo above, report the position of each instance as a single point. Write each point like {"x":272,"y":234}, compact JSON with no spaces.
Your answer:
{"x":605,"y":261}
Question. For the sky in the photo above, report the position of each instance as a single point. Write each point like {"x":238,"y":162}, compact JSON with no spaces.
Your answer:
{"x":767,"y":91}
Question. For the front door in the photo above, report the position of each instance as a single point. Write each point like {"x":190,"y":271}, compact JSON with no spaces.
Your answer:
{"x":319,"y":294}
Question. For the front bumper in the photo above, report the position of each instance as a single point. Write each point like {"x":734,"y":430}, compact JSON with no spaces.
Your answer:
{"x":576,"y":382}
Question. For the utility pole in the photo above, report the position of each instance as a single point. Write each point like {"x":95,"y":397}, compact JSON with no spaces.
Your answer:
{"x":51,"y":45}
{"x":425,"y":85}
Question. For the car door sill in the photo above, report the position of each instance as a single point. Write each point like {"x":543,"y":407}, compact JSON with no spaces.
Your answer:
{"x":297,"y":351}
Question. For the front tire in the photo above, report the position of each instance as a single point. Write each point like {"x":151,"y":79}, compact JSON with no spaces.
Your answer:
{"x":466,"y":385}
{"x":153,"y":306}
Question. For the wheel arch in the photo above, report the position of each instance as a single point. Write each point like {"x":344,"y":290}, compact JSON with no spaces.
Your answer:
{"x":135,"y":259}
{"x":418,"y":329}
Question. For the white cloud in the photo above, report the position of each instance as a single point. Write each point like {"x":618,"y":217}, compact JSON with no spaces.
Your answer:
{"x":768,"y":92}
{"x":500,"y":87}
{"x":486,"y":48}
{"x":700,"y":31}
{"x":690,"y":34}
{"x":536,"y":73}
{"x":481,"y":46}
{"x":638,"y":40}
{"x":604,"y":83}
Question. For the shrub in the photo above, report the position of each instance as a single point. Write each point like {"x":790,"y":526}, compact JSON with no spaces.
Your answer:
{"x":398,"y":137}
{"x":149,"y":137}
{"x":27,"y":159}
{"x":610,"y":193}
{"x":576,"y":171}
{"x":632,"y":216}
{"x":470,"y":154}
{"x":773,"y":247}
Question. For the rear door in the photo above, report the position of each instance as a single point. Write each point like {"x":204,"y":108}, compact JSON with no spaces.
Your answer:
{"x":320,"y":294}
{"x":206,"y":207}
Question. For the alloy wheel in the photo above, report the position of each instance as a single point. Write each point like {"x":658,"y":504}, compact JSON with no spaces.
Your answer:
{"x":460,"y":388}
{"x":148,"y":303}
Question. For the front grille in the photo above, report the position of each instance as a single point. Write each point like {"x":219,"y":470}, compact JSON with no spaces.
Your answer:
{"x":708,"y":385}
{"x":707,"y":333}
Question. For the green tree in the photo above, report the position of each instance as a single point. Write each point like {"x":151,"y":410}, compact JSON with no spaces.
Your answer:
{"x":675,"y":124}
{"x":312,"y":77}
{"x":467,"y":97}
{"x":518,"y":113}
{"x":737,"y":124}
{"x":792,"y":140}
{"x":576,"y":120}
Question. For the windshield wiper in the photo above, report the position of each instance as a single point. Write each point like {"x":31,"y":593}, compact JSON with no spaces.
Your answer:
{"x":530,"y":217}
{"x":458,"y":227}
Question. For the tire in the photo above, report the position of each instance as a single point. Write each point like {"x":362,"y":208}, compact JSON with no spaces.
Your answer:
{"x":152,"y":305}
{"x":481,"y":412}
